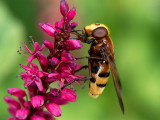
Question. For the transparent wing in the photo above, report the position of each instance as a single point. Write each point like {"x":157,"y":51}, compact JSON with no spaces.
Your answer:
{"x":117,"y":82}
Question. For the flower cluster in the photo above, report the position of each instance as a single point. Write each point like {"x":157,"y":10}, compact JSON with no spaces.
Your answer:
{"x":59,"y":66}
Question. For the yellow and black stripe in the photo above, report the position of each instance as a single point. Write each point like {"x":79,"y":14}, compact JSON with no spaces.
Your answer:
{"x":99,"y":77}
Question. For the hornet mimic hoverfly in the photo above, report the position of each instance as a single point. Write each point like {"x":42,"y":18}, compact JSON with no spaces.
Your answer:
{"x":101,"y":59}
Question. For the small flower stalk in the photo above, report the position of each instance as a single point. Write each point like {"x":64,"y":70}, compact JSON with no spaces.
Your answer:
{"x":58,"y":66}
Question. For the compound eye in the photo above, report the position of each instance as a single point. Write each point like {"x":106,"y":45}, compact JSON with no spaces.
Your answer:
{"x":100,"y":32}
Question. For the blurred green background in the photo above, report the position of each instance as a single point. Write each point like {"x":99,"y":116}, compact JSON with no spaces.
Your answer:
{"x":135,"y":30}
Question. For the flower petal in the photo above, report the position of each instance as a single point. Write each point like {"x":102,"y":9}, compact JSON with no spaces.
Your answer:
{"x":69,"y":95}
{"x":64,"y":7}
{"x":42,"y":60}
{"x":54,"y":109}
{"x":16,"y":92}
{"x":12,"y":111}
{"x":72,"y":26}
{"x":36,"y":47}
{"x":48,"y":28}
{"x":59,"y":101}
{"x":73,"y":44}
{"x":22,"y":113}
{"x":30,"y":58}
{"x":12,"y":102}
{"x":48,"y":44}
{"x":37,"y":101}
{"x":53,"y":75}
{"x":71,"y":14}
{"x":39,"y":84}
{"x":54,"y":61}
{"x":66,"y":57}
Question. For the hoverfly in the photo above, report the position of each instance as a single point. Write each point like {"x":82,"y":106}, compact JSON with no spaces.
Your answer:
{"x":99,"y":69}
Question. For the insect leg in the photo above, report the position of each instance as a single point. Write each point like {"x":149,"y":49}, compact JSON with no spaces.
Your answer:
{"x":89,"y":57}
{"x":81,"y":79}
{"x":83,"y":67}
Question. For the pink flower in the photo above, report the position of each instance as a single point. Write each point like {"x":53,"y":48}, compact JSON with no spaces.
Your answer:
{"x":22,"y":113}
{"x":42,"y":60}
{"x":71,"y":14}
{"x":48,"y":44}
{"x":33,"y":75}
{"x":72,"y":26}
{"x":64,"y":7}
{"x":66,"y":57}
{"x":16,"y":92}
{"x":59,"y":101}
{"x":12,"y":102}
{"x":54,"y":109}
{"x":54,"y":61}
{"x":69,"y":95}
{"x":37,"y":101}
{"x":48,"y":28}
{"x":73,"y":44}
{"x":32,"y":56}
{"x":57,"y":66}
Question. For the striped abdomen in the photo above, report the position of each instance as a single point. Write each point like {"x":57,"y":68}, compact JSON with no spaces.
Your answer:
{"x":100,"y":73}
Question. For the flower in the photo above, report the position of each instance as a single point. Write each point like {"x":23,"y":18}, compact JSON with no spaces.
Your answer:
{"x":73,"y":44}
{"x":69,"y":95}
{"x":33,"y":75}
{"x":64,"y":7}
{"x":54,"y":109}
{"x":37,"y":101}
{"x":22,"y":113}
{"x":71,"y":14}
{"x":42,"y":101}
{"x":16,"y":92}
{"x":48,"y":28}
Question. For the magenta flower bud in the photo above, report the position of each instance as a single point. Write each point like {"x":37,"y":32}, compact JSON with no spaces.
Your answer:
{"x":12,"y":111}
{"x":12,"y":102}
{"x":69,"y":95}
{"x":72,"y":26}
{"x":22,"y":113}
{"x":59,"y":101}
{"x":42,"y":60}
{"x":64,"y":7}
{"x":37,"y":101}
{"x":54,"y":109}
{"x":53,"y":75}
{"x":73,"y":44}
{"x":71,"y":14}
{"x":48,"y":28}
{"x":48,"y":44}
{"x":16,"y":92}
{"x":66,"y":57}
{"x":54,"y":61}
{"x":37,"y":117}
